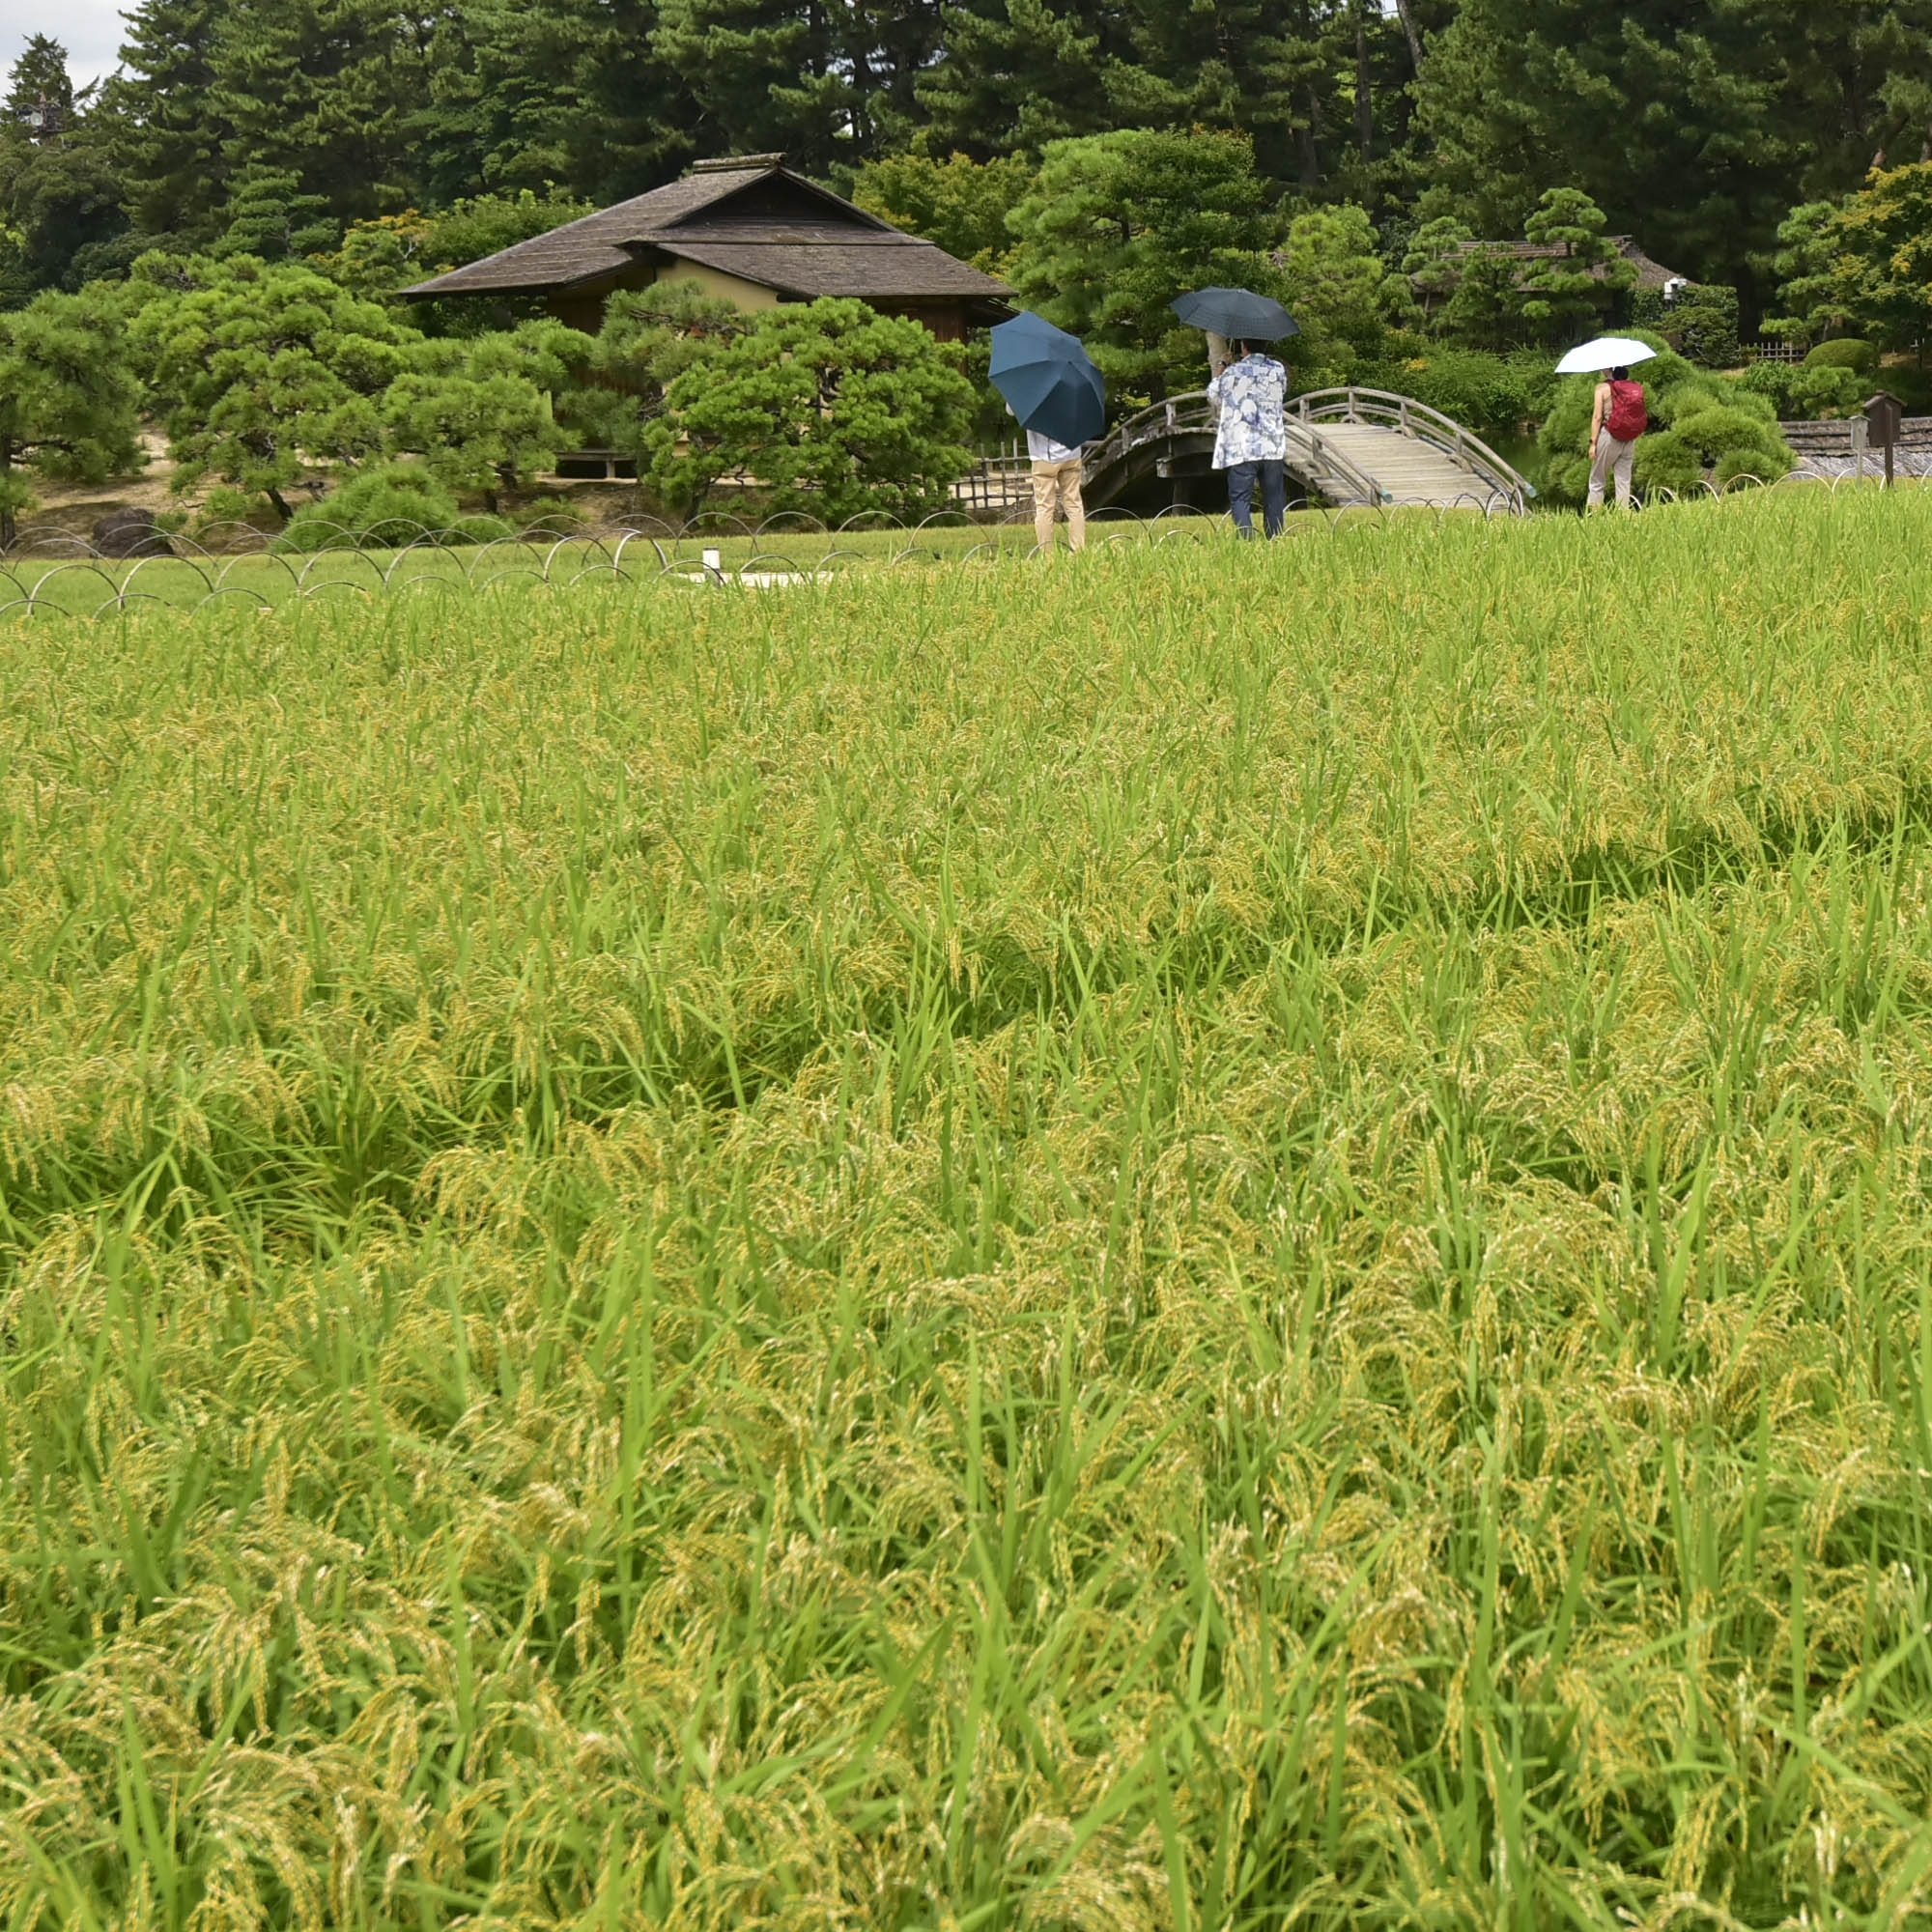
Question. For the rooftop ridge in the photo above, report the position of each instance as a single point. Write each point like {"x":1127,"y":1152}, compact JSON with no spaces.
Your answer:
{"x":720,"y":165}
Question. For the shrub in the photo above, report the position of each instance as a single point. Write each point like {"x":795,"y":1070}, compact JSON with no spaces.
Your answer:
{"x":1649,"y":309}
{"x":1770,"y":380}
{"x":1844,"y":351}
{"x":383,"y":509}
{"x":1482,"y":390}
{"x":1816,"y":393}
{"x":1707,"y":335}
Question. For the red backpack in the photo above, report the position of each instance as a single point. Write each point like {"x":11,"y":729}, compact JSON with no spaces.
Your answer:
{"x":1629,"y":417}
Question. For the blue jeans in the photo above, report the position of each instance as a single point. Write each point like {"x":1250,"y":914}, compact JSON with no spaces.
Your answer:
{"x":1273,"y":479}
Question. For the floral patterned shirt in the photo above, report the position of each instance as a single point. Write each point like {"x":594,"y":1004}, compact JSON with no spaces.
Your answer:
{"x":1253,"y":425}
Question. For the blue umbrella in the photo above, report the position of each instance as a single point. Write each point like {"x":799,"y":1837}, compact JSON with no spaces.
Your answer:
{"x":1049,"y":379}
{"x":1239,"y":313}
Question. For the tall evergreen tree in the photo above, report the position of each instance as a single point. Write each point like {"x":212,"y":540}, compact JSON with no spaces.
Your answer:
{"x":162,"y":132}
{"x":60,"y":199}
{"x":1018,"y":74}
{"x":328,"y":90}
{"x":824,"y":83}
{"x":38,"y":85}
{"x":573,"y":93}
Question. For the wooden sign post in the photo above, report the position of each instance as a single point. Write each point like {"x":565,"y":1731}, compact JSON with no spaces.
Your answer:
{"x":1884,"y":416}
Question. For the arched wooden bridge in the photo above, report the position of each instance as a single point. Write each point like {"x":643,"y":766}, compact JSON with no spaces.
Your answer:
{"x":1349,"y":446}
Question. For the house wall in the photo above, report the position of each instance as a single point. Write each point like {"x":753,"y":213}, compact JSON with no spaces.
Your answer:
{"x":945,"y":320}
{"x":716,"y":282}
{"x":582,"y":307}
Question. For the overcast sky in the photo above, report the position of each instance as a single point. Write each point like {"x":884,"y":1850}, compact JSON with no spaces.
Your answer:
{"x":89,"y":29}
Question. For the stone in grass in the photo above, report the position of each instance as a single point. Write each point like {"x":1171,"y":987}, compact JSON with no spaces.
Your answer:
{"x":130,"y":533}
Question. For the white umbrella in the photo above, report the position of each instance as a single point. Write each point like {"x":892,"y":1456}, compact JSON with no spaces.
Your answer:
{"x":1607,"y":352}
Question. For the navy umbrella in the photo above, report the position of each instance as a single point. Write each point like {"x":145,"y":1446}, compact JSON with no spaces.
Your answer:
{"x":1238,"y":314}
{"x":1049,"y":379}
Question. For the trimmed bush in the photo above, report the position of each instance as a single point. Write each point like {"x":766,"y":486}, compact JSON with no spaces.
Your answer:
{"x":384,"y":508}
{"x":1483,"y":391}
{"x":1844,"y":351}
{"x":1817,"y":394}
{"x":1649,"y":310}
{"x":1770,"y":380}
{"x":1707,"y":335}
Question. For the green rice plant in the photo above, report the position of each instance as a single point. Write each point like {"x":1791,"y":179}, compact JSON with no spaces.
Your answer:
{"x":1229,"y":1237}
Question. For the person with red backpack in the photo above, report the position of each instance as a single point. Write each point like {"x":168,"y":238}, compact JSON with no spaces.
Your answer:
{"x":1620,"y":417}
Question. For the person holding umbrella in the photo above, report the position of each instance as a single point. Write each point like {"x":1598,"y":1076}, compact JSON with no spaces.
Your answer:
{"x":1620,"y":416}
{"x":1058,"y":472}
{"x":1251,"y":395}
{"x":1059,"y":396}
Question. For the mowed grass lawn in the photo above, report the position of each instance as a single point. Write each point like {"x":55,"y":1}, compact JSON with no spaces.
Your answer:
{"x":1224,"y":1238}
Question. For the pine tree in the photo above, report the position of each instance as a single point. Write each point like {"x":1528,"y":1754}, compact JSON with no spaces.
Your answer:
{"x":67,"y":401}
{"x":326,"y":91}
{"x":60,"y":199}
{"x":163,"y":133}
{"x":262,"y":368}
{"x":40,"y":94}
{"x":1018,"y":74}
{"x":572,"y":93}
{"x":760,"y":73}
{"x":1117,"y":225}
{"x":1689,"y":122}
{"x":1568,"y":294}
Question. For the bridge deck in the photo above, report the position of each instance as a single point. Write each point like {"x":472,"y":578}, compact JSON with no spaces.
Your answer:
{"x":1352,"y":446}
{"x":1408,"y":470}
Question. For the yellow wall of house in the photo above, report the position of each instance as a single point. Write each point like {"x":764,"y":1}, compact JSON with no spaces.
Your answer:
{"x":715,"y":282}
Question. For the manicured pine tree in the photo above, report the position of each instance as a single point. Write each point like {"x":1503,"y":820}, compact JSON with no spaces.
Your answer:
{"x":1117,"y":225}
{"x":67,"y":400}
{"x":264,"y":368}
{"x":1566,"y":294}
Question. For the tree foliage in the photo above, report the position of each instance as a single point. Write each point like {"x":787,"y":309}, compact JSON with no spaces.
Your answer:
{"x":959,"y":202}
{"x":828,"y":406}
{"x":1881,"y":248}
{"x":1339,"y":290}
{"x":479,"y":412}
{"x":1565,"y":297}
{"x":1689,"y":122}
{"x":262,"y":368}
{"x":68,"y":399}
{"x":1119,"y":224}
{"x":62,"y":203}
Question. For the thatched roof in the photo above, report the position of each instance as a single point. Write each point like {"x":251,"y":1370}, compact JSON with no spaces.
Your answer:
{"x":749,"y":216}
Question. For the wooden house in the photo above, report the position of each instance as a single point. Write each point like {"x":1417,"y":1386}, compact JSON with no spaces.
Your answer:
{"x":744,"y":227}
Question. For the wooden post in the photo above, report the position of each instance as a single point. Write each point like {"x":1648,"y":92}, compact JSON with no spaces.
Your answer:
{"x":1884,"y":413}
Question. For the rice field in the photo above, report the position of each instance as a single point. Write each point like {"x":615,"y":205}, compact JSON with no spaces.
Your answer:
{"x":1224,"y":1238}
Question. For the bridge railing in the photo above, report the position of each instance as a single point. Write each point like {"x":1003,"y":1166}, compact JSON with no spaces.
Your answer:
{"x":1334,"y":472}
{"x":1384,"y":408}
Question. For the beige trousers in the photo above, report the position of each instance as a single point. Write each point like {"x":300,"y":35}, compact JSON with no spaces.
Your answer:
{"x":1055,"y":486}
{"x":1611,"y":455}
